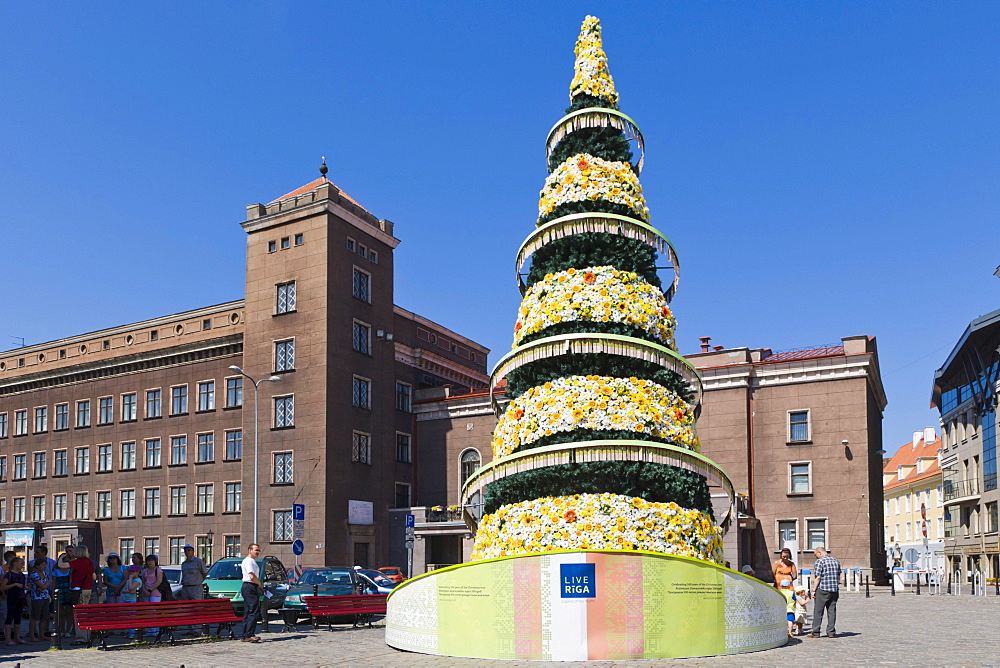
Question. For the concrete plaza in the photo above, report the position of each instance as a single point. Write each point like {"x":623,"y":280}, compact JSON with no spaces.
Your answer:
{"x":905,"y":630}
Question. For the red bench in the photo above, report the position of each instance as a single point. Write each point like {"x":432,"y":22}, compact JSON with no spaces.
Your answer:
{"x":101,"y":620}
{"x":362,"y":606}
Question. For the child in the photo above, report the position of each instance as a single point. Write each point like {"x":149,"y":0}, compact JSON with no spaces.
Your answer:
{"x":801,"y":599}
{"x":130,"y":592}
{"x":14,"y":583}
{"x":39,"y":586}
{"x":786,"y":590}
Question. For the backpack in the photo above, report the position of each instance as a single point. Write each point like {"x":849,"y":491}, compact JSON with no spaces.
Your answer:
{"x":166,"y":594}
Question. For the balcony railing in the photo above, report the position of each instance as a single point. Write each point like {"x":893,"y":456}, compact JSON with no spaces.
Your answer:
{"x":444,"y":514}
{"x":960,"y":489}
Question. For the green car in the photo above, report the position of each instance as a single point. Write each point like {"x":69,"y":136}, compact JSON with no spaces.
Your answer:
{"x":321,"y":582}
{"x":225,"y":580}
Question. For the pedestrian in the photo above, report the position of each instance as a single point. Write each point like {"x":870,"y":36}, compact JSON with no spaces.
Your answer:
{"x":15,"y":584}
{"x":61,"y":578}
{"x":251,"y":592}
{"x":801,"y":609}
{"x":826,"y":591}
{"x":7,"y":556}
{"x":786,"y":590}
{"x":130,"y":594}
{"x":82,"y":577}
{"x":39,"y":595}
{"x":784,"y":569}
{"x":114,"y":578}
{"x":42,"y":552}
{"x":138,"y":563}
{"x":152,"y":576}
{"x":193,"y":574}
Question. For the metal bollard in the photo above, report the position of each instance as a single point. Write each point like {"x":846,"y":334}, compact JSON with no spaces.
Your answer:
{"x":892,"y":582}
{"x":58,"y":627}
{"x":997,"y":581}
{"x":316,"y":589}
{"x":918,"y":584}
{"x":868,"y":592}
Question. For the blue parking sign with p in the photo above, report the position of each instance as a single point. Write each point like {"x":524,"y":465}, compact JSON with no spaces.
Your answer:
{"x":298,"y":511}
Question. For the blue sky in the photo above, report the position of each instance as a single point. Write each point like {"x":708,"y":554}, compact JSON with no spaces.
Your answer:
{"x":824,"y":169}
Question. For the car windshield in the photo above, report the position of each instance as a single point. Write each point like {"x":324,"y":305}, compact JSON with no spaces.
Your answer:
{"x":378,"y":578}
{"x":390,"y":571}
{"x":226,"y":570}
{"x":321,"y":576}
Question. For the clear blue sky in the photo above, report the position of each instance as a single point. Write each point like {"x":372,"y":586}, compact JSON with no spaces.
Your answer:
{"x":824,"y":169}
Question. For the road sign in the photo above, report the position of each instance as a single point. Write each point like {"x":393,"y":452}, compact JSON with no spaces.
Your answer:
{"x":923,"y":511}
{"x":409,"y":533}
{"x":298,"y":532}
{"x":409,"y":520}
{"x":298,"y":548}
{"x":298,"y":511}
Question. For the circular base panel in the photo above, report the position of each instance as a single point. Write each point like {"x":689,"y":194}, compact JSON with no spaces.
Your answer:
{"x":585,"y":605}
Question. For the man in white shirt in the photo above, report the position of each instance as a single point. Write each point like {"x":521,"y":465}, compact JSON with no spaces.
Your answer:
{"x":251,"y":591}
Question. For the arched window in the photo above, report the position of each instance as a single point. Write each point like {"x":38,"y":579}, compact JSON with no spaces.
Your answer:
{"x":470,"y":462}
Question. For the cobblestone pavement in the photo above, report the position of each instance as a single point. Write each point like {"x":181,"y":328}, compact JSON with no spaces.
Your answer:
{"x":905,"y":630}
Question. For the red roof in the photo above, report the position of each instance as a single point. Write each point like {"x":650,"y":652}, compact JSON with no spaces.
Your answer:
{"x":312,"y":185}
{"x":804,"y":354}
{"x":908,"y":456}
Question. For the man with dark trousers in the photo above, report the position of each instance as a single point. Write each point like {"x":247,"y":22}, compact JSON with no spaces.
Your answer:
{"x":251,"y":591}
{"x":826,"y":591}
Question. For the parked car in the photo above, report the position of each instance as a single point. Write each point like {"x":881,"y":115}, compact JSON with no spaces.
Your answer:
{"x":225,"y":579}
{"x":173,"y":575}
{"x":318,"y":581}
{"x":394,"y":573}
{"x":373,"y":582}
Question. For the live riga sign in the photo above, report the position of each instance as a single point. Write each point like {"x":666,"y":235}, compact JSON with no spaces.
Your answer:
{"x":577,"y":580}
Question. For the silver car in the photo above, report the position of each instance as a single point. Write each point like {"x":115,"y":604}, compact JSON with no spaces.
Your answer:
{"x":173,"y":575}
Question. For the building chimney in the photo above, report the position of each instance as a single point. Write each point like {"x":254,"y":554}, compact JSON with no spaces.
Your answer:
{"x":704,"y":343}
{"x":716,"y":348}
{"x":917,"y":435}
{"x":929,"y":435}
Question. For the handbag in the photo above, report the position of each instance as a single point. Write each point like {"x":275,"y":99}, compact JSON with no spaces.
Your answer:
{"x":166,"y":594}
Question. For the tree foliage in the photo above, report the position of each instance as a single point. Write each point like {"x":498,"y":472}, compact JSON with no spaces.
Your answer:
{"x":595,"y":249}
{"x":607,"y":143}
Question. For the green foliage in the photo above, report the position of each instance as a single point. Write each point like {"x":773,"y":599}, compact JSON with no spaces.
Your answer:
{"x":584,"y":101}
{"x":587,"y":326}
{"x":653,"y":482}
{"x":589,"y":206}
{"x":606,"y":143}
{"x":584,"y":364}
{"x":595,"y":249}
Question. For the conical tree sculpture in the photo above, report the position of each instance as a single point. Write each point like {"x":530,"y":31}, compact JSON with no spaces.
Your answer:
{"x":597,"y":447}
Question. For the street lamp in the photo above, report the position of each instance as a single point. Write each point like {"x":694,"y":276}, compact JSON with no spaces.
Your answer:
{"x":256,"y":432}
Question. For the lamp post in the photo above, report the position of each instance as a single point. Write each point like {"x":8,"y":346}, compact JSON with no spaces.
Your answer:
{"x":256,"y":433}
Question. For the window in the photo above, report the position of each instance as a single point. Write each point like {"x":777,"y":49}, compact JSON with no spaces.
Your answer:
{"x":130,"y":408}
{"x":362,"y":338}
{"x":272,"y":246}
{"x":21,"y":422}
{"x":154,"y":334}
{"x":285,"y":243}
{"x":404,"y":395}
{"x":103,"y":505}
{"x":176,"y":549}
{"x":285,"y":297}
{"x":60,"y":465}
{"x":362,"y":450}
{"x":106,"y":414}
{"x":178,"y":400}
{"x":350,"y":244}
{"x":154,"y":403}
{"x":282,"y":525}
{"x":991,"y":517}
{"x":206,"y":498}
{"x":83,"y":413}
{"x":799,"y":478}
{"x":82,"y":460}
{"x":362,"y":281}
{"x":234,"y":392}
{"x":151,"y":546}
{"x":283,"y":468}
{"x":152,"y":452}
{"x":152,"y":501}
{"x":909,"y":531}
{"x":206,"y":396}
{"x":127,"y":506}
{"x":59,"y":506}
{"x":373,"y":255}
{"x":19,"y":505}
{"x":234,"y":445}
{"x":38,"y":469}
{"x":3,"y":425}
{"x":104,"y":457}
{"x":233,"y":546}
{"x":204,"y":548}
{"x":178,"y":501}
{"x":3,"y":511}
{"x":816,"y":530}
{"x":178,"y":450}
{"x":82,"y":500}
{"x":284,"y":411}
{"x":402,"y":495}
{"x":206,"y":323}
{"x":940,"y":528}
{"x":470,"y":462}
{"x":906,"y":502}
{"x":402,"y":447}
{"x":20,"y":467}
{"x":787,"y":532}
{"x":3,"y":467}
{"x":798,"y":426}
{"x":126,"y":546}
{"x":284,"y":355}
{"x":41,"y":419}
{"x":38,"y":509}
{"x":234,"y":497}
{"x":299,"y":239}
{"x":206,"y":447}
{"x":62,"y":417}
{"x":362,"y":392}
{"x":128,"y":456}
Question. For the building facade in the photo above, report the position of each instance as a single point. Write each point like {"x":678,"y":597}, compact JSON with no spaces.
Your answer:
{"x":965,"y":393}
{"x":914,"y":504}
{"x":142,"y":437}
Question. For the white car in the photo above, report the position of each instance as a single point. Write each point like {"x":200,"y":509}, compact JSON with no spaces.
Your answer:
{"x":173,"y":575}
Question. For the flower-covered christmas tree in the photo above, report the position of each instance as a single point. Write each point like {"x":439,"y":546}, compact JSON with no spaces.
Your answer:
{"x":595,"y":449}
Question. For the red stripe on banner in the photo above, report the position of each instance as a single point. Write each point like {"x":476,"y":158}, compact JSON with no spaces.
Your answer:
{"x":615,"y":622}
{"x":528,"y":609}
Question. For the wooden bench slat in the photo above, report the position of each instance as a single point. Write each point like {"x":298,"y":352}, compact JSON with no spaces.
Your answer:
{"x":101,"y":618}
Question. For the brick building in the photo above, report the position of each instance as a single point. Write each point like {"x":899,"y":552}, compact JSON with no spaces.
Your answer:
{"x":140,"y":437}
